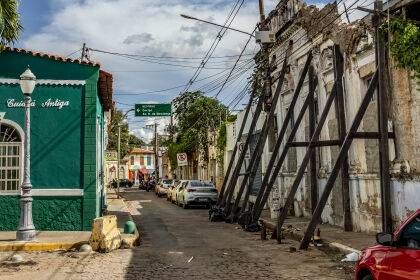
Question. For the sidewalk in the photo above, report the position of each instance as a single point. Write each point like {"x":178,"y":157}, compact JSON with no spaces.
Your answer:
{"x":118,"y":207}
{"x":332,"y":236}
{"x":68,"y":240}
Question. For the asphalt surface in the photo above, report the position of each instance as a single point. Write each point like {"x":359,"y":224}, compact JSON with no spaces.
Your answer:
{"x":181,"y":243}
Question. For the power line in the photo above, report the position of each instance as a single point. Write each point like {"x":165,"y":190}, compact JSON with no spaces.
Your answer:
{"x":168,"y":89}
{"x":233,"y":68}
{"x":215,"y":43}
{"x":166,"y":57}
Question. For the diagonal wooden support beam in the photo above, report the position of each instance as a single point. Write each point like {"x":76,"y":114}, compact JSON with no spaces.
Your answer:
{"x":256,"y":212}
{"x":283,"y":129}
{"x":235,"y":149}
{"x":338,"y":163}
{"x":289,"y":201}
{"x":257,"y":153}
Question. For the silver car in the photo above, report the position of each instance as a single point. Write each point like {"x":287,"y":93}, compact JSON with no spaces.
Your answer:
{"x":196,"y":192}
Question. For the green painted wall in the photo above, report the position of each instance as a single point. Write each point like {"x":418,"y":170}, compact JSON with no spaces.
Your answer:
{"x":55,"y":134}
{"x":63,"y":146}
{"x":90,"y":199}
{"x":49,"y":213}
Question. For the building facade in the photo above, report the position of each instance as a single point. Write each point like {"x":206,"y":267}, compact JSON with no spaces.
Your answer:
{"x":139,"y":160}
{"x":297,"y":22}
{"x":67,"y":139}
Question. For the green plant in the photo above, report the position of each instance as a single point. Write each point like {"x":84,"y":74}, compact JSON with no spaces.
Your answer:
{"x":10,"y":27}
{"x":196,"y":116}
{"x":222,"y":137}
{"x":128,"y":141}
{"x":404,"y":43}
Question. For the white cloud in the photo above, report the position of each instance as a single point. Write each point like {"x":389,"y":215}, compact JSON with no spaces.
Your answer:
{"x":146,"y":27}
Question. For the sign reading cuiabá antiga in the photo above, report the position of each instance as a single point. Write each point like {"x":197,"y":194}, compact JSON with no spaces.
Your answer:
{"x":152,"y":110}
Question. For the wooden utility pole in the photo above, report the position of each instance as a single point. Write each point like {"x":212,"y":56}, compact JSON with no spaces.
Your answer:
{"x":383,"y":93}
{"x":83,"y":52}
{"x":341,"y":119}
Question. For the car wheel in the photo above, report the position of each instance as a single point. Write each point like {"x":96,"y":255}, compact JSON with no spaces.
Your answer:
{"x":368,"y":277}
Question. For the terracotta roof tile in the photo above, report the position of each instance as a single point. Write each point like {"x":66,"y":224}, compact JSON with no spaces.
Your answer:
{"x":105,"y":89}
{"x":51,"y":56}
{"x":140,"y":151}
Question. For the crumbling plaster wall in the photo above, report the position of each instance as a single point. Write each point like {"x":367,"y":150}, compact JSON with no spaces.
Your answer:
{"x":356,"y":43}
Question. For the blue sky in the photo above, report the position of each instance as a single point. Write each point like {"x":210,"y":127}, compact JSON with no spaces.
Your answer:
{"x":144,"y":27}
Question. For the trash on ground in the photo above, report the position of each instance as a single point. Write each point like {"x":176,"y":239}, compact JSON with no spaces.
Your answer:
{"x":352,"y":257}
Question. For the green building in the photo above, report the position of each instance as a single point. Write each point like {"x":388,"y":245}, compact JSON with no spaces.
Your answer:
{"x":70,"y":106}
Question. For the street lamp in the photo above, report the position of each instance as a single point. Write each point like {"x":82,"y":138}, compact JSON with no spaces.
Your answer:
{"x":216,"y":24}
{"x":26,"y":230}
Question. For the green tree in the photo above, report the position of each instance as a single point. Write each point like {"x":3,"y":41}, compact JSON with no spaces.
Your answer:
{"x":128,"y":141}
{"x":10,"y":26}
{"x":196,"y":115}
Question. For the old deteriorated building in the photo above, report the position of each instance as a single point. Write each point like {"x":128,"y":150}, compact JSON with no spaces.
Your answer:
{"x":317,"y":30}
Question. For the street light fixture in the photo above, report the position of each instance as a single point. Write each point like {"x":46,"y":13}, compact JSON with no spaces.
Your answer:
{"x":26,"y":230}
{"x":216,"y":24}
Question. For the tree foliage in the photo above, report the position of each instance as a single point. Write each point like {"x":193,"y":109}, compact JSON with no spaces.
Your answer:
{"x":10,"y":26}
{"x":128,"y":141}
{"x":404,"y":43}
{"x":196,"y":115}
{"x":222,"y":137}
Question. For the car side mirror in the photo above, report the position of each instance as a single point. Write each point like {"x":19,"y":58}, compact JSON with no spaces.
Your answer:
{"x":384,"y":238}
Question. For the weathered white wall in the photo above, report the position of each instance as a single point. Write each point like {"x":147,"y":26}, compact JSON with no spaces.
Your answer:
{"x":365,"y":194}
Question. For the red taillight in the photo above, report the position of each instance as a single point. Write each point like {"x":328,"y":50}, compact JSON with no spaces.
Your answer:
{"x":191,"y":190}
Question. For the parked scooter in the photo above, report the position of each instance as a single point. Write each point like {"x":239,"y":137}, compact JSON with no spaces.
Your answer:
{"x":150,"y":184}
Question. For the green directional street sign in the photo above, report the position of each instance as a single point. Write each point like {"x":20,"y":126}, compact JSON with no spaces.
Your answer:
{"x":152,"y":110}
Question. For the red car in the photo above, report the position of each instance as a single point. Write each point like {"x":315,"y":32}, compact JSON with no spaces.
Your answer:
{"x":396,"y":256}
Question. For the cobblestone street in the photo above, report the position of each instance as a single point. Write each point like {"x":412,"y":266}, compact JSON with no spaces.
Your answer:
{"x":181,"y":244}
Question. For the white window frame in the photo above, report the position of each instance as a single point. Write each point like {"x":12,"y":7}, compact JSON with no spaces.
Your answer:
{"x":19,"y":130}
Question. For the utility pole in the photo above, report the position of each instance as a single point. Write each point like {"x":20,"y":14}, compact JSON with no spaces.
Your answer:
{"x":156,"y":154}
{"x":83,"y":52}
{"x":119,"y":159}
{"x":382,"y":100}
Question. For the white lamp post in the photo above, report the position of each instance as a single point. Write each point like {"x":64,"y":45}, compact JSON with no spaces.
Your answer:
{"x":26,"y":230}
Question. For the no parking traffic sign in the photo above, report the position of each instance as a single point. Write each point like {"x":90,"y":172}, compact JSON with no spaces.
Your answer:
{"x":182,"y":159}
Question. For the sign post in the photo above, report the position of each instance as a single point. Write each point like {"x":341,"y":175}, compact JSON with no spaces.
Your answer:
{"x":182,"y":160}
{"x":153,"y":110}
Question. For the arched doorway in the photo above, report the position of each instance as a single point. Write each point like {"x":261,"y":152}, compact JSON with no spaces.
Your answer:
{"x":10,"y":156}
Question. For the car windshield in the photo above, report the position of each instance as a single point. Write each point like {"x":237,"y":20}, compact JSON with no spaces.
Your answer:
{"x":167,"y":182}
{"x":200,"y":184}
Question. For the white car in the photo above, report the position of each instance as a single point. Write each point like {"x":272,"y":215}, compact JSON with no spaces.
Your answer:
{"x":171,"y":195}
{"x":163,"y":186}
{"x":196,"y":192}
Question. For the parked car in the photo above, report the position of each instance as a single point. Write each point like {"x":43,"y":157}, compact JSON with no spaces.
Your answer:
{"x":396,"y":256}
{"x":163,"y":186}
{"x":196,"y":192}
{"x":171,"y":195}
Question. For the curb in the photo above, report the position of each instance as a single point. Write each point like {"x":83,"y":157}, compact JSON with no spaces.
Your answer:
{"x":30,"y":246}
{"x":297,"y":236}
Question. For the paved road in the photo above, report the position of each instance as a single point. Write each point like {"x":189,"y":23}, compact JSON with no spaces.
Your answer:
{"x":182,"y":244}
